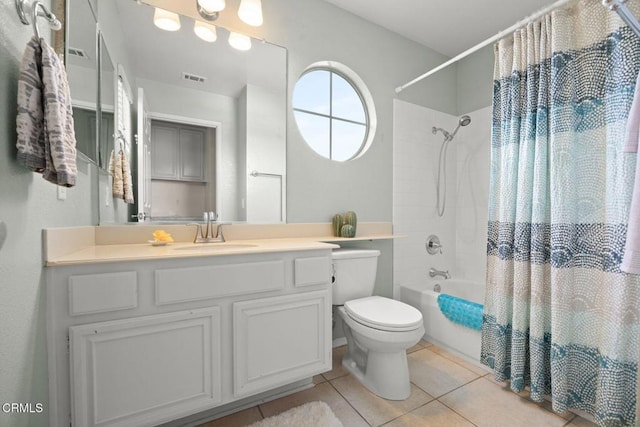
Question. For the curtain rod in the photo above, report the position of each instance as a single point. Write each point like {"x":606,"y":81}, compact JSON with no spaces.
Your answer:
{"x":619,"y":7}
{"x":502,"y":34}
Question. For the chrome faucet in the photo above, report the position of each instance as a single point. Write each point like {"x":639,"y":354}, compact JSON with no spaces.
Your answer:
{"x":213,"y":232}
{"x":444,"y":274}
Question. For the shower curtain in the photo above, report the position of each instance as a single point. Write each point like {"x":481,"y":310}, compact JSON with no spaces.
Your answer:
{"x":559,"y":315}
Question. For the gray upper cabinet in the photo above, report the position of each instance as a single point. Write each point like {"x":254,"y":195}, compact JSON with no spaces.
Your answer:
{"x":178,"y":152}
{"x":192,"y":165}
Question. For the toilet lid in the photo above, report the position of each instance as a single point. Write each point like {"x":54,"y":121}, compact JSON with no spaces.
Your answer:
{"x":384,"y":313}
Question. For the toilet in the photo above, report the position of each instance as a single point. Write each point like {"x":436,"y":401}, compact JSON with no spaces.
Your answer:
{"x":378,"y":330}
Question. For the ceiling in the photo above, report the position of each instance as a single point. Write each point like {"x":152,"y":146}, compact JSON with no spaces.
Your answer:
{"x":446,"y":26}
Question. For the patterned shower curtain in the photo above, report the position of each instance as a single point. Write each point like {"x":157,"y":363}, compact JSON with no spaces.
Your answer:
{"x":560,"y":316}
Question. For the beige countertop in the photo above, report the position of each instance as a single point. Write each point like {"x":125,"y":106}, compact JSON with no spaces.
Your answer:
{"x":102,"y":244}
{"x":147,"y":251}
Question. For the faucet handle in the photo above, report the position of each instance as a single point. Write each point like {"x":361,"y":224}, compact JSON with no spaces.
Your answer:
{"x":433,"y":245}
{"x":219,"y":236}
{"x":199,"y":236}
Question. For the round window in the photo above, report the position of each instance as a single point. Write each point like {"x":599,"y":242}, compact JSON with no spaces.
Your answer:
{"x":334,"y":111}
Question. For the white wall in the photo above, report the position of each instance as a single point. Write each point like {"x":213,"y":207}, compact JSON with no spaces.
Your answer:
{"x":472,"y":196}
{"x":415,"y":170}
{"x":27,"y":205}
{"x":265,"y":140}
{"x":463,"y":227}
{"x":474,"y":88}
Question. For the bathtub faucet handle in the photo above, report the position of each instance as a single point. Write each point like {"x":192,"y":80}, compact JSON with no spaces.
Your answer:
{"x":433,"y":245}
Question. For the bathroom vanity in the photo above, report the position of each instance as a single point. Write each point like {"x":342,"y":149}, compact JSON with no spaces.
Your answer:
{"x":143,"y":340}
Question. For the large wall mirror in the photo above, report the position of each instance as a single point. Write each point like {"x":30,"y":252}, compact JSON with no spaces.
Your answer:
{"x":206,"y":125}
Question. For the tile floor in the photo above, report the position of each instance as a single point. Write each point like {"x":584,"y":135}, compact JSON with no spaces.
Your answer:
{"x":445,"y":391}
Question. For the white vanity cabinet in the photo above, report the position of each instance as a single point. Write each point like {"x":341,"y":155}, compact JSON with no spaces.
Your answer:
{"x":140,"y":343}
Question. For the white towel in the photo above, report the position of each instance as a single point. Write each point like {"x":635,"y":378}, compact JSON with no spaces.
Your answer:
{"x":46,"y":139}
{"x":631,"y":258}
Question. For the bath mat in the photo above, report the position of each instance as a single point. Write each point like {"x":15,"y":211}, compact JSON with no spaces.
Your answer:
{"x":316,"y":414}
{"x":466,"y":313}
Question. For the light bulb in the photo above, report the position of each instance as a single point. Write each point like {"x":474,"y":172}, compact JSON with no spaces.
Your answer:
{"x":166,"y":20}
{"x":206,"y":32}
{"x":250,"y":11}
{"x":212,"y":5}
{"x":239,"y":41}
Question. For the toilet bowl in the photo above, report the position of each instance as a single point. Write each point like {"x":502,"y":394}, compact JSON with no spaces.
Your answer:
{"x":377,"y":351}
{"x":378,"y":330}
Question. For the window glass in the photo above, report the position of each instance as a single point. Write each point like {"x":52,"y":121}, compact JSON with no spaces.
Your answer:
{"x":347,"y":139}
{"x":315,"y":131}
{"x":347,"y":103}
{"x":331,"y":114}
{"x":312,"y":92}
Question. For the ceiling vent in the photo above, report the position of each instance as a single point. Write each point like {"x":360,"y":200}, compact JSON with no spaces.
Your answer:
{"x":80,"y":53}
{"x":193,"y":78}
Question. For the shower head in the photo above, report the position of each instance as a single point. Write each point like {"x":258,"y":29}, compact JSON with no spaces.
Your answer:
{"x":463,"y":121}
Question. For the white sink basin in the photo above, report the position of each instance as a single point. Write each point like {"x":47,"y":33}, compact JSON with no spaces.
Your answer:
{"x":215,"y":247}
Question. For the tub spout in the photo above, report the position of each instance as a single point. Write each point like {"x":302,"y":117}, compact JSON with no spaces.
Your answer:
{"x":444,"y":274}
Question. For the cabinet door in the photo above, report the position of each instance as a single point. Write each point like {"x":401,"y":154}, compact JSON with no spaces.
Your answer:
{"x":192,"y":155}
{"x":280,"y":340}
{"x":164,"y":152}
{"x":145,"y":370}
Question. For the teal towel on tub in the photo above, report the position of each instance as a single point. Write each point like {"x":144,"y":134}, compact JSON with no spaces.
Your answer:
{"x":461,"y":311}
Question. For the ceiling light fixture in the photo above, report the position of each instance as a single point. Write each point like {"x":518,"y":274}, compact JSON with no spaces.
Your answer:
{"x":206,"y":32}
{"x":166,"y":20}
{"x":210,"y":9}
{"x":239,"y":41}
{"x":250,"y":11}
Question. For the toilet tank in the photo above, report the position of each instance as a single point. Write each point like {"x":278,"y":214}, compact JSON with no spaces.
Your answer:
{"x":355,"y":274}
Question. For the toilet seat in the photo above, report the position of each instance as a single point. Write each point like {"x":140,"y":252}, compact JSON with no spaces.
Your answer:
{"x":384,"y":314}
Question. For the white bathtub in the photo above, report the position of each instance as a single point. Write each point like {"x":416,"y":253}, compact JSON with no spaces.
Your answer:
{"x":458,"y":339}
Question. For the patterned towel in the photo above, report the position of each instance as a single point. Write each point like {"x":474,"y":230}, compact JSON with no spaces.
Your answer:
{"x":115,"y":169}
{"x":466,"y":313}
{"x":127,"y":183}
{"x":46,"y":139}
{"x":30,"y":120}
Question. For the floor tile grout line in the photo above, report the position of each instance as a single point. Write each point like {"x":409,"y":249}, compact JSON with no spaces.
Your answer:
{"x":521,"y":397}
{"x":456,"y":412}
{"x":450,"y":391}
{"x":414,"y":409}
{"x":528,"y":398}
{"x":443,"y":355}
{"x":457,"y":388}
{"x":347,"y":400}
{"x":261,"y":413}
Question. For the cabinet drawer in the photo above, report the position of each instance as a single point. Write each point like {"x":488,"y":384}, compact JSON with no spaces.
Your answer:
{"x":196,"y":283}
{"x":312,"y":271}
{"x":97,"y":293}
